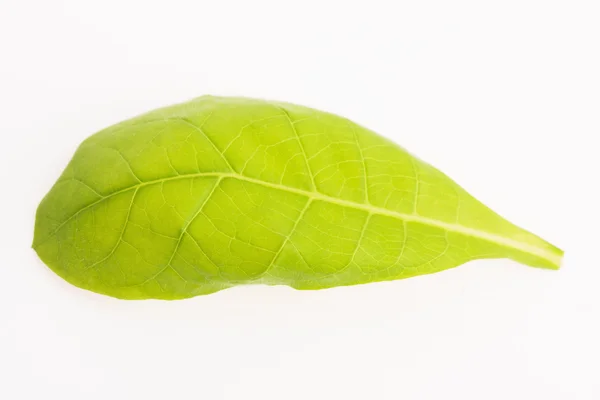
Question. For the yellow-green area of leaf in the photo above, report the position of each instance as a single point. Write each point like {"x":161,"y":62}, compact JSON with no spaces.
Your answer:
{"x":218,"y":192}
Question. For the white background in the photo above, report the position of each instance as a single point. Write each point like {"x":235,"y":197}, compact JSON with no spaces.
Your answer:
{"x":504,"y":96}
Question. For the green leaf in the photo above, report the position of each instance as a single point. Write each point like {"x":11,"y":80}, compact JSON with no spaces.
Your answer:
{"x":217,"y":192}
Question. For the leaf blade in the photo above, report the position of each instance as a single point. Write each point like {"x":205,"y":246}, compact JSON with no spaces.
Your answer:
{"x":292,"y":174}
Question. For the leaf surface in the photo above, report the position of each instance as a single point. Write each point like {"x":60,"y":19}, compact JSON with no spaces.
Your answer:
{"x":217,"y":192}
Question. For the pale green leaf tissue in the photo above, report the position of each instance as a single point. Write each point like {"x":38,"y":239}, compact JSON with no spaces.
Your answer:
{"x":218,"y":192}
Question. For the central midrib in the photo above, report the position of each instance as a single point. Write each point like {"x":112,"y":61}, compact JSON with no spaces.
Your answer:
{"x":452,"y":227}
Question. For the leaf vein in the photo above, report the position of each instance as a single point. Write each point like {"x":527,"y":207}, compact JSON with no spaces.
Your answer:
{"x":502,"y":241}
{"x":312,"y":178}
{"x":287,"y":238}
